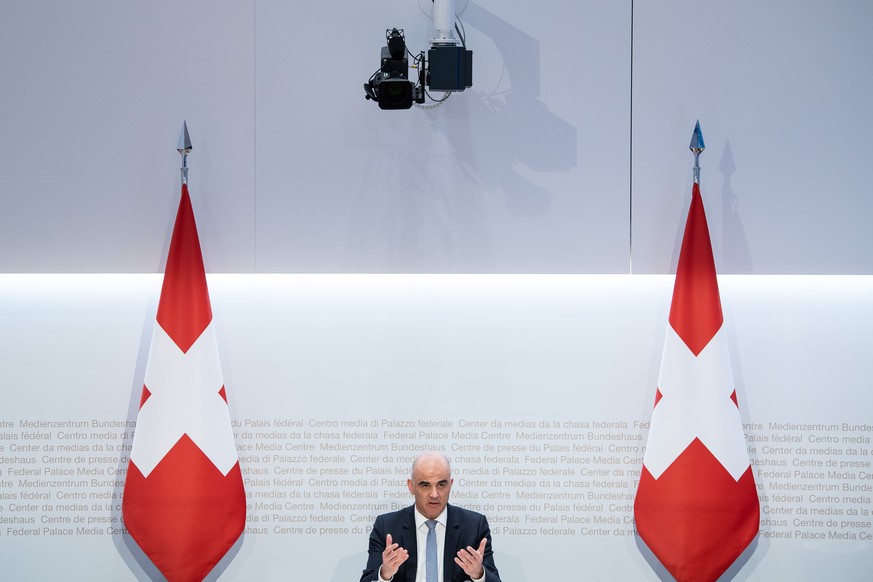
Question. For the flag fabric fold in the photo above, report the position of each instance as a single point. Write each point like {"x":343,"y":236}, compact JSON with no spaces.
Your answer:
{"x":696,"y":505}
{"x":184,"y":501}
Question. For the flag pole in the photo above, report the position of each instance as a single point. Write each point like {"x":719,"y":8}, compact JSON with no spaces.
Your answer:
{"x":184,"y":147}
{"x":697,"y":146}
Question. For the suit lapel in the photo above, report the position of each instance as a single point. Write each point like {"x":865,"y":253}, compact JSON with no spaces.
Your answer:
{"x":410,"y":542}
{"x":450,"y":549}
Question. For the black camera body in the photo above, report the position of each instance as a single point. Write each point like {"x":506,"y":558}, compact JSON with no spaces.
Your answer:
{"x":448,"y":68}
{"x":393,"y":88}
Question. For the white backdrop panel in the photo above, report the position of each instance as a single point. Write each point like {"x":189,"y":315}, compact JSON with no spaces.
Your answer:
{"x":524,"y":172}
{"x":531,"y":170}
{"x":780,"y":90}
{"x":95,"y":94}
{"x":323,"y":372}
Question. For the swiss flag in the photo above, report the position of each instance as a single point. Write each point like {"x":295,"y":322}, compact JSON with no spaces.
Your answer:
{"x":696,"y":506}
{"x":184,"y":502}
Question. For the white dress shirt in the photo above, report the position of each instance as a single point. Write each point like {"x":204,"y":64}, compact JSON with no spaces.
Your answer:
{"x":421,"y":542}
{"x":421,"y":530}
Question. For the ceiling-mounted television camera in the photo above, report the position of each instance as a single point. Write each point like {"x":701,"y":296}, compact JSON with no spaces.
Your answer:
{"x":390,"y":86}
{"x":448,"y":67}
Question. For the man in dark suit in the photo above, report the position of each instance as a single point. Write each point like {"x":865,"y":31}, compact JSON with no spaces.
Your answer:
{"x":399,"y":544}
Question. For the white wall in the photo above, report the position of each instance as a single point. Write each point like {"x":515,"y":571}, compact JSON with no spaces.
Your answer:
{"x":579,"y":119}
{"x":779,"y":88}
{"x":323,"y":349}
{"x":568,"y":155}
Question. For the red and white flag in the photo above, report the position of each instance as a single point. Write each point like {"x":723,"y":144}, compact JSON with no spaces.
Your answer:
{"x":184,"y":502}
{"x":696,"y":506}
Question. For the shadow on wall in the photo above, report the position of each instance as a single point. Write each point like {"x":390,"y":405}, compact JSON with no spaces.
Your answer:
{"x":420,"y":204}
{"x":513,"y":127}
{"x":140,"y":565}
{"x":736,"y":256}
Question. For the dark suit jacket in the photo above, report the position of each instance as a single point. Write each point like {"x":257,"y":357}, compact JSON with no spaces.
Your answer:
{"x":463,"y":528}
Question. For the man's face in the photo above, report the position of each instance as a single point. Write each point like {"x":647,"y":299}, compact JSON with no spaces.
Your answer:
{"x":430,"y":485}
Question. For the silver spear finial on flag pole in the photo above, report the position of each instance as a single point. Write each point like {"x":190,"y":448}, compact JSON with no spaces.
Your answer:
{"x":184,"y":148}
{"x":697,"y":146}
